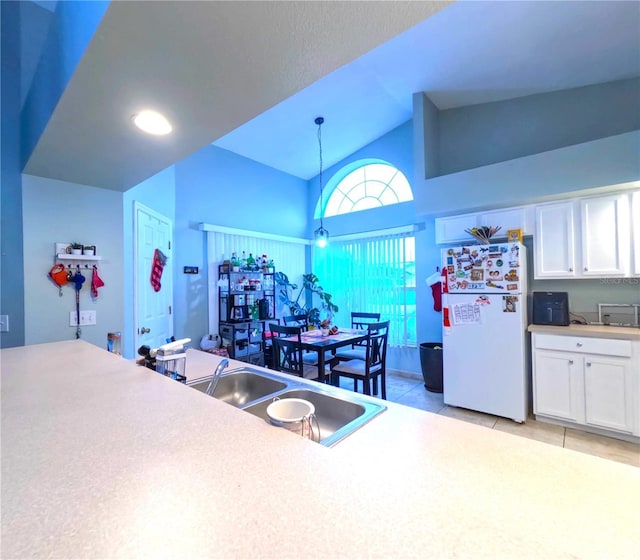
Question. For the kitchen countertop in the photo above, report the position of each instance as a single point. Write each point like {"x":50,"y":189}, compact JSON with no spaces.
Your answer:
{"x":104,"y":458}
{"x":593,"y":331}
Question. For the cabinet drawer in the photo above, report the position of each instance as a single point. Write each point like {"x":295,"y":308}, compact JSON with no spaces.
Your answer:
{"x":226,"y":331}
{"x":603,"y":346}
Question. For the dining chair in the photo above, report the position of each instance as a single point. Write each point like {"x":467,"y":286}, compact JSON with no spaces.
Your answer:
{"x":372,"y":367}
{"x":287,"y":353}
{"x":359,"y":320}
{"x":297,"y":320}
{"x":268,"y":347}
{"x":302,"y":320}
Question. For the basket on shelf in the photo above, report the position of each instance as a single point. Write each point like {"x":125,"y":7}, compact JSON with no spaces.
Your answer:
{"x":483,"y":233}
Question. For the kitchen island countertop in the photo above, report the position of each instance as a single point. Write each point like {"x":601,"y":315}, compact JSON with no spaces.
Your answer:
{"x":103,"y":458}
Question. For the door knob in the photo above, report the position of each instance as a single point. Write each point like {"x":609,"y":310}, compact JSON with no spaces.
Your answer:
{"x":588,"y":364}
{"x":570,"y":362}
{"x":144,"y":330}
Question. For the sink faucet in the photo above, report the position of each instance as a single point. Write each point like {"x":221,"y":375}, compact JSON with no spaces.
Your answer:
{"x":216,"y":375}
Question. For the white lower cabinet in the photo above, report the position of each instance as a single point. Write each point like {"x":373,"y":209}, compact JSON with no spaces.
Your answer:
{"x":556,"y":385}
{"x":591,"y":382}
{"x":608,"y":391}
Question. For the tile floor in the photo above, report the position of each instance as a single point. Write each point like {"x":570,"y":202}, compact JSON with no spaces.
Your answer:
{"x":409,"y":390}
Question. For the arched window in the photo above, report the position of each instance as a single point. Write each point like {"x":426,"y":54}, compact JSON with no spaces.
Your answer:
{"x":372,"y":184}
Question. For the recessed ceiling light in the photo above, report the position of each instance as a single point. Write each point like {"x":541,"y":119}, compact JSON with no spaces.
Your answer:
{"x":152,"y":122}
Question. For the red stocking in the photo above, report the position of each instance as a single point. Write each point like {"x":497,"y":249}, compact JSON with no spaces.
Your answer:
{"x":436,"y":291}
{"x":159,"y":261}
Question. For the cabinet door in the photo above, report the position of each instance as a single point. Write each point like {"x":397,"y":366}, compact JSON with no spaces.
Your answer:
{"x":452,"y":229}
{"x":557,"y":385}
{"x":608,"y":389}
{"x":635,"y":219}
{"x":605,"y":235}
{"x":507,"y":218}
{"x":554,"y":242}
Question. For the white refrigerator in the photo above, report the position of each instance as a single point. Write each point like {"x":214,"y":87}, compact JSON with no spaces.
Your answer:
{"x":484,"y":329}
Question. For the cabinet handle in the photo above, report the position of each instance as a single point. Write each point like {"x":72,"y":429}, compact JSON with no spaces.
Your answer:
{"x":586,"y":269}
{"x":579,"y":344}
{"x":144,"y":330}
{"x":588,"y":364}
{"x":571,"y":270}
{"x":570,"y":362}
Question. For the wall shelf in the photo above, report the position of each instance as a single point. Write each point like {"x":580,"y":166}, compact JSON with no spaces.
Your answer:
{"x":70,"y":260}
{"x":68,"y":257}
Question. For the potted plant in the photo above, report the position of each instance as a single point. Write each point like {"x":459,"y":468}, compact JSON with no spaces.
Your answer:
{"x":76,"y":248}
{"x":89,"y":250}
{"x":311,"y":289}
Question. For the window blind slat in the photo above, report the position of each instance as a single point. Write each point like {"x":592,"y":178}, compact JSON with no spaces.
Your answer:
{"x":372,"y":275}
{"x":287,"y":257}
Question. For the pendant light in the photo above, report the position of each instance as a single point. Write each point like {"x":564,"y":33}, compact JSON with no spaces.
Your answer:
{"x":321,"y":235}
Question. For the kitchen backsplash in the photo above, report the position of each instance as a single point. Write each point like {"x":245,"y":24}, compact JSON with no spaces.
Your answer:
{"x":585,"y":295}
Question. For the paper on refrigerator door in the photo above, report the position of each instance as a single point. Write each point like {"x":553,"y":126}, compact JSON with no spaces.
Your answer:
{"x":466,"y":314}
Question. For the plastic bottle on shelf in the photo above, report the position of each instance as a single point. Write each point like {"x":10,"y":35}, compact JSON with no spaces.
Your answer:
{"x":243,"y":261}
{"x":235,"y":263}
{"x":251,"y":261}
{"x":264,"y":262}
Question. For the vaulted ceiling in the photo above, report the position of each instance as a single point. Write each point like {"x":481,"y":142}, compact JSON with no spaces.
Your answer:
{"x":251,"y":77}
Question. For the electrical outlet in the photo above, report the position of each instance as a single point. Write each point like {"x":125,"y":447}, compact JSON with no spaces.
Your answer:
{"x":4,"y":323}
{"x":86,"y":318}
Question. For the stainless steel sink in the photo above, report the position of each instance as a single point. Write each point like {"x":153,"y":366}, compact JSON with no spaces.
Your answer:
{"x":339,"y":413}
{"x":238,"y":388}
{"x":337,"y":416}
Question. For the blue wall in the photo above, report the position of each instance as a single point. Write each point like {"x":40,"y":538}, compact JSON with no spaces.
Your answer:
{"x":11,"y":276}
{"x":218,"y":187}
{"x":58,"y":211}
{"x":526,"y":150}
{"x":395,"y":147}
{"x":494,"y":132}
{"x":69,"y":33}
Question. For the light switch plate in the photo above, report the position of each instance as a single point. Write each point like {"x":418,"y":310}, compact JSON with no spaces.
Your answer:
{"x":4,"y":323}
{"x":86,"y":318}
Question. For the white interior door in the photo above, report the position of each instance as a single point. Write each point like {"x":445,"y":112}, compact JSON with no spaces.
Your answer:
{"x":153,"y":313}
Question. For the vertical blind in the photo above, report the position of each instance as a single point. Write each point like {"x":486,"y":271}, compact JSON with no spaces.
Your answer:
{"x":288,"y":257}
{"x":375,"y":274}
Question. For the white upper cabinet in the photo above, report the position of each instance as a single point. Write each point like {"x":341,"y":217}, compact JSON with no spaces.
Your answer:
{"x":507,"y":218}
{"x":605,"y":235}
{"x":452,"y":228}
{"x":554,"y":241}
{"x":635,"y":217}
{"x":587,"y":238}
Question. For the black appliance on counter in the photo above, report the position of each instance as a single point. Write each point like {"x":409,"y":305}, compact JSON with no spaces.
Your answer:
{"x":551,"y":308}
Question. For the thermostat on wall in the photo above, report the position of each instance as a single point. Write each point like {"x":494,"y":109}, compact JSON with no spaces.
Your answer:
{"x":191,"y":270}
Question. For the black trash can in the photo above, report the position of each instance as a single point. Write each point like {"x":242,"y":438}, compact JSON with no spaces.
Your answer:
{"x":431,"y":362}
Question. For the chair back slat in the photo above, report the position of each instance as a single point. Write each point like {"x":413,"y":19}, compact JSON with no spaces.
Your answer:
{"x":360,"y":319}
{"x":287,"y":354}
{"x":377,"y":336}
{"x":298,"y":320}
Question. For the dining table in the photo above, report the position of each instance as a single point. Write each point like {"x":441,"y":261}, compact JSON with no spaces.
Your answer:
{"x":316,"y":341}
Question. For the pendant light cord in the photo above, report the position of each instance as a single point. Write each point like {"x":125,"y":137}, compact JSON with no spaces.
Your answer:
{"x":319,"y":122}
